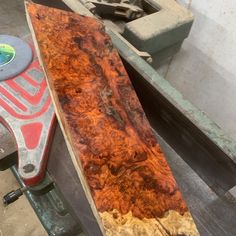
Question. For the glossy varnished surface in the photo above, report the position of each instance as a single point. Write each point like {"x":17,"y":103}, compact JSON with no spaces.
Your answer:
{"x":128,"y":177}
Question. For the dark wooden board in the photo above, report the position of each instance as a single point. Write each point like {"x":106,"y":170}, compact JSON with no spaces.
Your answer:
{"x":123,"y":171}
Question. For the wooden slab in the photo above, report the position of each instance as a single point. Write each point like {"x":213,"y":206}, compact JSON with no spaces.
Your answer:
{"x":123,"y":171}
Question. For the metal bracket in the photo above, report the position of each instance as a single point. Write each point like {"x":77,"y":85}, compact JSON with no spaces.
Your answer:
{"x":117,"y":8}
{"x":27,"y":111}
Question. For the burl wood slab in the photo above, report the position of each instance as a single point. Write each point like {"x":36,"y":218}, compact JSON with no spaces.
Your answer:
{"x":124,"y":173}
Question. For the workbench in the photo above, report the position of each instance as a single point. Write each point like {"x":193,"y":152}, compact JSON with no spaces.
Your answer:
{"x":201,"y":156}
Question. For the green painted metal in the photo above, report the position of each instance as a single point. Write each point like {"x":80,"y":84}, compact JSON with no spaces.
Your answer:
{"x":199,"y":118}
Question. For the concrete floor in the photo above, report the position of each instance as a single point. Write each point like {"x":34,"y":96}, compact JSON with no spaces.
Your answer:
{"x":204,"y":71}
{"x":19,"y":218}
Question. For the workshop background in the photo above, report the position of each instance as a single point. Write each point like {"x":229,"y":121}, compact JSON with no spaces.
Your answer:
{"x":203,"y":70}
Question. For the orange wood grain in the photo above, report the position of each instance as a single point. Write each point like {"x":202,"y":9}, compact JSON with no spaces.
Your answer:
{"x":121,"y":160}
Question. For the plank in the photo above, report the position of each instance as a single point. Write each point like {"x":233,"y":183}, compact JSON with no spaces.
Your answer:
{"x":124,"y":173}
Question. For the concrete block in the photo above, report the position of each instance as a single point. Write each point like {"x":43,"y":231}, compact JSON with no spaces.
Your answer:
{"x":168,"y":26}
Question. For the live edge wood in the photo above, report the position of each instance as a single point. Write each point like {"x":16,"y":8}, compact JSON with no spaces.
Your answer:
{"x":124,"y":173}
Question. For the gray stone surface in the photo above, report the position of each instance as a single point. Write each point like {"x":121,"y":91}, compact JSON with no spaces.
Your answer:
{"x":160,"y":30}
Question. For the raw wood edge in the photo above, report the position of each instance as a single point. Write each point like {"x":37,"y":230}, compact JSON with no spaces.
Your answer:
{"x":57,"y":109}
